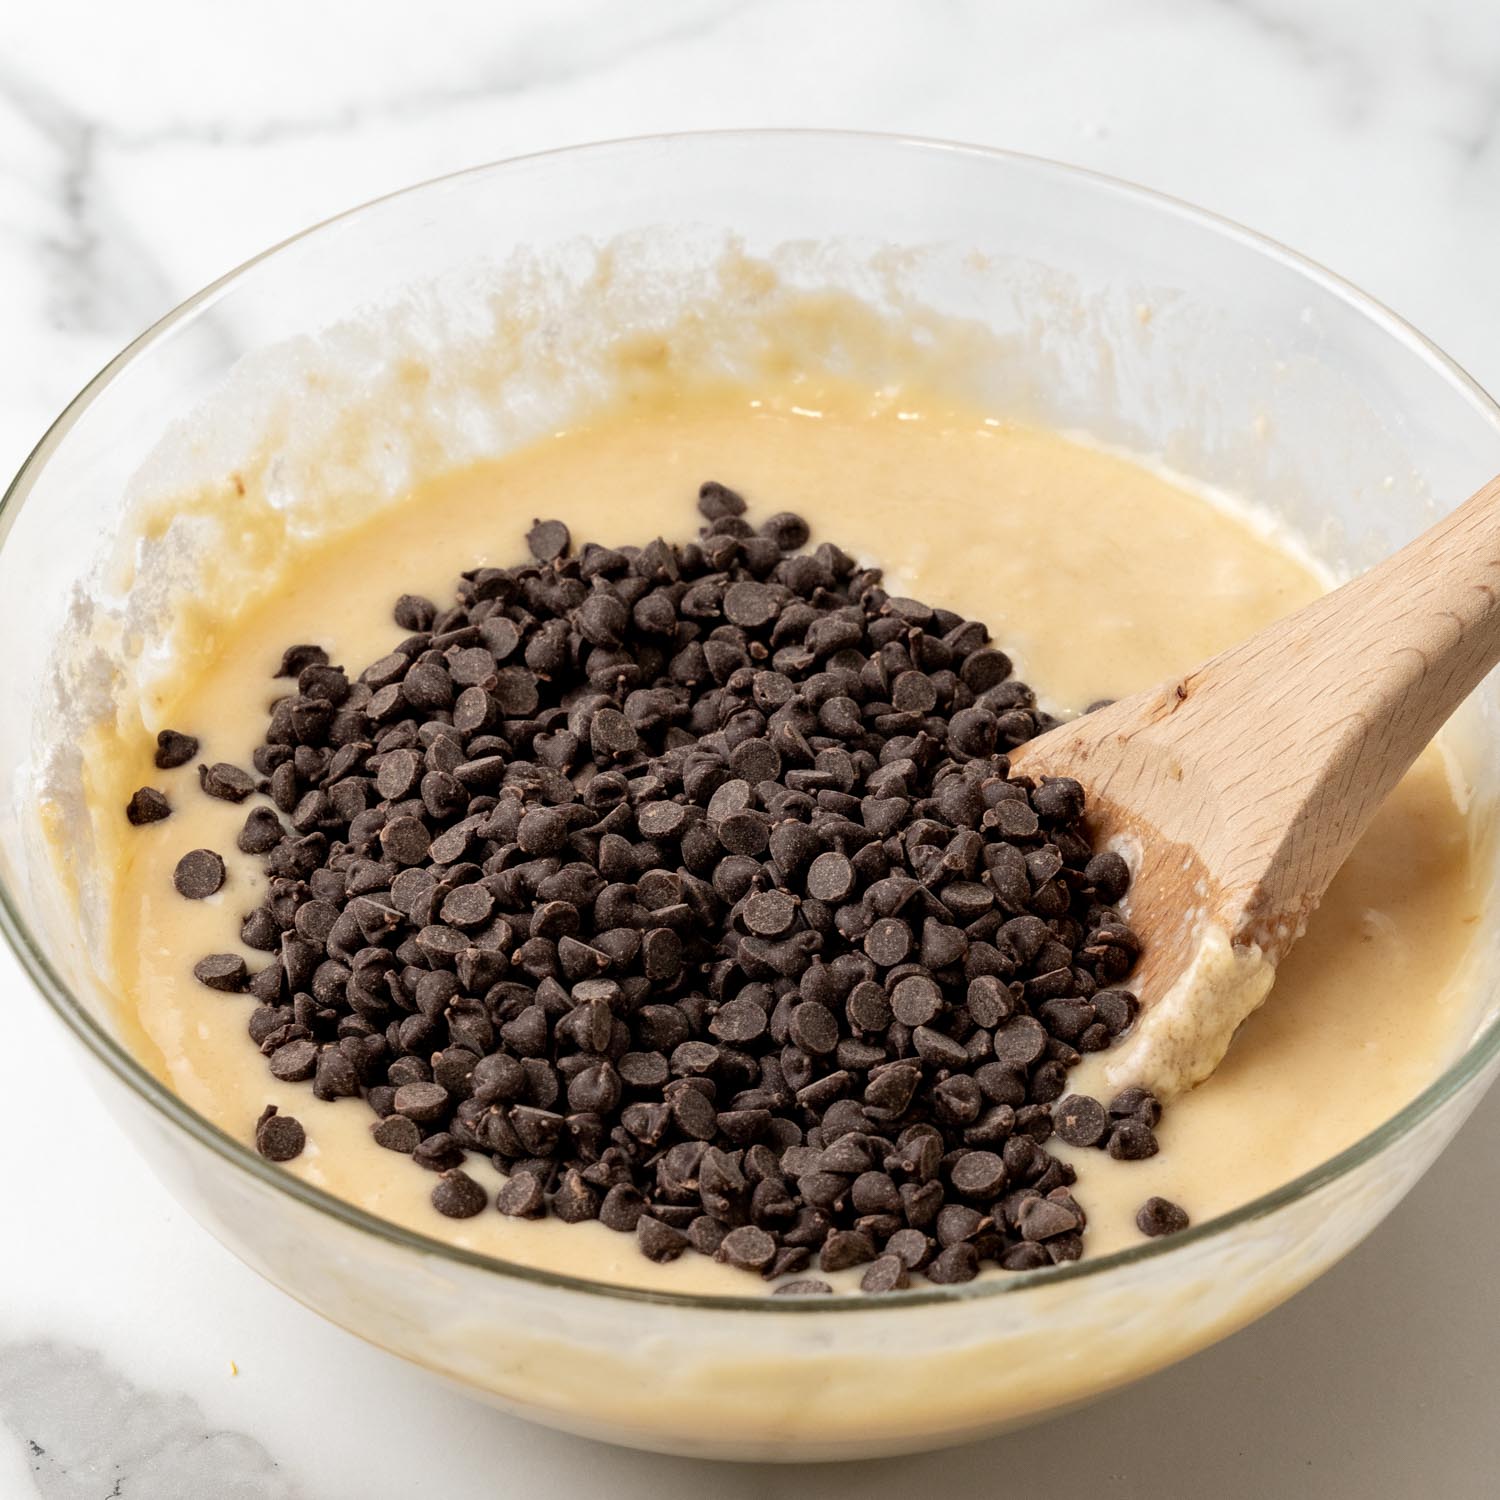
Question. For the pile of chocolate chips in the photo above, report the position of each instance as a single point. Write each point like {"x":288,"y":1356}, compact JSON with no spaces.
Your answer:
{"x":690,"y":885}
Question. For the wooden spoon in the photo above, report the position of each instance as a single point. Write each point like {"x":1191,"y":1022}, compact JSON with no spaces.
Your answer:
{"x":1237,"y":790}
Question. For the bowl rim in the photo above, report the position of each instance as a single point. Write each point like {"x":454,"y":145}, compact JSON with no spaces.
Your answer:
{"x":139,"y":1080}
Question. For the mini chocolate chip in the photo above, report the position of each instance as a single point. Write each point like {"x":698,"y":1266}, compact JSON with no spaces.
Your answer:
{"x":739,"y":1021}
{"x":887,"y":1273}
{"x":522,"y":1197}
{"x":222,"y":971}
{"x":1131,"y":1140}
{"x":813,"y":1027}
{"x":147,"y":806}
{"x":405,"y":841}
{"x":1041,"y":1219}
{"x":174,"y":749}
{"x":911,"y":1247}
{"x":787,"y":530}
{"x":458,"y":1196}
{"x":978,"y":1174}
{"x":1138,"y":1104}
{"x":261,"y":833}
{"x":748,"y":1248}
{"x":770,"y":913}
{"x":397,"y":1133}
{"x":1080,"y":1120}
{"x":658,"y":1241}
{"x":279,"y":1137}
{"x":1159,"y":1216}
{"x":1020,"y":1041}
{"x":199,"y":873}
{"x":295,"y":660}
{"x":422,"y":1102}
{"x":916,"y":1000}
{"x":294,"y":1061}
{"x":888,"y":942}
{"x":844,"y":1248}
{"x":957,"y":1263}
{"x":1025,"y":1256}
{"x":226,"y":782}
{"x":750,"y":604}
{"x":1108,"y":873}
{"x":548,"y":540}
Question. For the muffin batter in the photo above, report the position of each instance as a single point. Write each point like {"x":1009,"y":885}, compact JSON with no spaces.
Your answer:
{"x":1099,"y":578}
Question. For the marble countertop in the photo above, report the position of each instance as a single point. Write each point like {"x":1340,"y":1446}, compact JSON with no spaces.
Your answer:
{"x":146,"y":149}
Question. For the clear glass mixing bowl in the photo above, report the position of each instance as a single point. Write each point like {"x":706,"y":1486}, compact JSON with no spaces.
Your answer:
{"x":1102,"y":308}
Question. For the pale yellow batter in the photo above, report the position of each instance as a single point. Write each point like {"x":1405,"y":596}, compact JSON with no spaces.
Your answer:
{"x":1097,"y":575}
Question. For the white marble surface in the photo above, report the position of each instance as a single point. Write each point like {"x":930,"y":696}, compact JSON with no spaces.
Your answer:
{"x":146,"y":148}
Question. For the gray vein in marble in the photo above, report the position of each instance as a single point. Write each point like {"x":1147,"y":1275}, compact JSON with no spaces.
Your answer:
{"x":518,"y":71}
{"x":93,"y":1434}
{"x":1474,"y":71}
{"x":100,"y":278}
{"x":1325,"y":51}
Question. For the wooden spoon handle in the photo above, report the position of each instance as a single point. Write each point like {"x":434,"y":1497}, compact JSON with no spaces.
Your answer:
{"x":1300,"y":732}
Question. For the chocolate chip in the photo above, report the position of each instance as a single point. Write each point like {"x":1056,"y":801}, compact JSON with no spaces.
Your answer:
{"x":716,"y":501}
{"x":1020,"y":1041}
{"x":813,"y":1027}
{"x":611,"y":735}
{"x":770,"y":913}
{"x":747,"y":1247}
{"x":830,"y":877}
{"x":422,"y":1102}
{"x":888,"y":942}
{"x":887,"y":1273}
{"x":916,"y":1000}
{"x":787,"y":530}
{"x":295,"y":660}
{"x":957,"y":1263}
{"x":844,"y":1248}
{"x":1025,"y":1256}
{"x":458,"y":1196}
{"x":295,"y":1060}
{"x":279,"y":1137}
{"x":750,"y":604}
{"x":414,"y":612}
{"x":397,"y":1133}
{"x":979,"y":1175}
{"x":911,"y":1247}
{"x":405,"y":841}
{"x":548,"y":540}
{"x":658,"y":1241}
{"x":222,"y":971}
{"x":622,"y":1208}
{"x":1137,"y":1104}
{"x":1131,"y":1140}
{"x":1159,"y":1216}
{"x":738,"y":1021}
{"x":1108,"y":873}
{"x":1081,"y":1121}
{"x":522,"y":1197}
{"x":226,"y":782}
{"x":174,"y":749}
{"x":744,"y":833}
{"x":199,"y":873}
{"x":147,"y":806}
{"x":1041,"y":1219}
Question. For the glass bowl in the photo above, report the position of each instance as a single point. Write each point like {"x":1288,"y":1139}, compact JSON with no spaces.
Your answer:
{"x":1089,"y":304}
